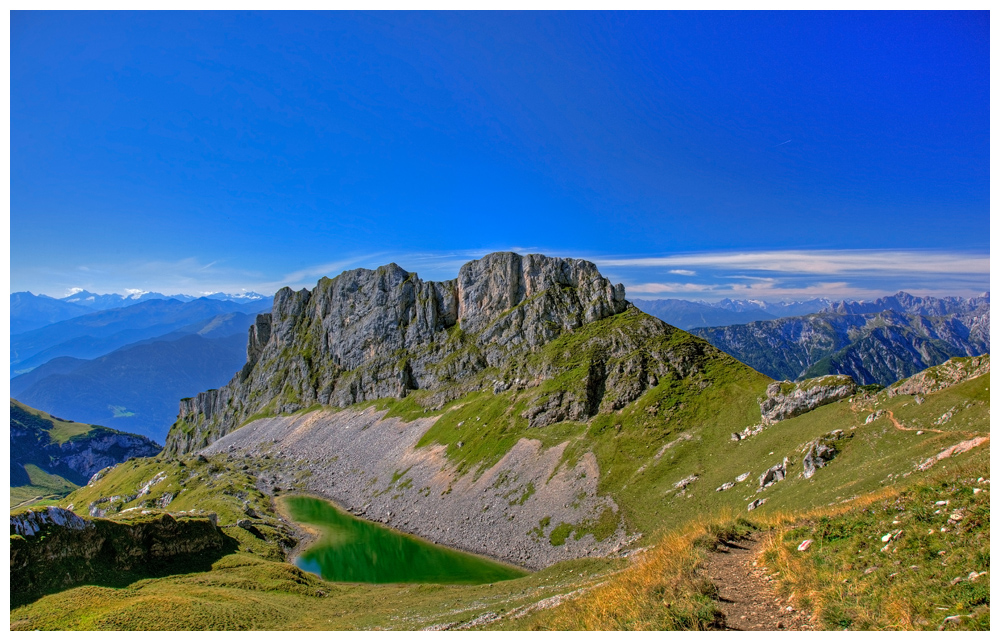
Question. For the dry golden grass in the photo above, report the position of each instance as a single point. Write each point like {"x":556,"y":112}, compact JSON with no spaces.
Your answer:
{"x":661,"y":590}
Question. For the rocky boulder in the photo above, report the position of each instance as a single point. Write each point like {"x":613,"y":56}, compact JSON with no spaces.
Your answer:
{"x":786,"y":399}
{"x":773,"y":475}
{"x":821,"y":451}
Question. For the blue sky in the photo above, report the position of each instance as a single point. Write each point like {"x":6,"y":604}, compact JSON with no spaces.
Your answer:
{"x":691,"y":155}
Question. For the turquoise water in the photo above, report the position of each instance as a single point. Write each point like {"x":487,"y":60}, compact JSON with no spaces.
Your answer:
{"x":354,"y":550}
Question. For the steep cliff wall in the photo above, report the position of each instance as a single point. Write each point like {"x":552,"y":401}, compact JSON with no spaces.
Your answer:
{"x":370,"y":334}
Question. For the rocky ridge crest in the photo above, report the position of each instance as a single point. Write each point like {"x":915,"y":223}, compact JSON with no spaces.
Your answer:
{"x":951,"y":372}
{"x":369,"y":334}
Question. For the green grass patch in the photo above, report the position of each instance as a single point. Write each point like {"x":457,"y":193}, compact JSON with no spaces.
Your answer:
{"x":902,"y":562}
{"x":44,"y":487}
{"x":59,"y":430}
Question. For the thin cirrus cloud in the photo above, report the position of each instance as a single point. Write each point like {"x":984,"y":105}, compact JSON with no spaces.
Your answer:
{"x":820,"y":262}
{"x":838,"y":290}
{"x":798,"y":274}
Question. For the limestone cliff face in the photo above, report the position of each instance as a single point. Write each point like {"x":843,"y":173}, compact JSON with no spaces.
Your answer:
{"x":370,"y":334}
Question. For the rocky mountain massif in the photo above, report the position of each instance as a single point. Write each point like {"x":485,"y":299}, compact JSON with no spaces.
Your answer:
{"x":877,"y":342}
{"x":42,"y":446}
{"x":370,"y":334}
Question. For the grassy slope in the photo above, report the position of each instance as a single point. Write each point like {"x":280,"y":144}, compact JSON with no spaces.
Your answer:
{"x":920,"y":580}
{"x":61,"y":430}
{"x":697,"y":422}
{"x":44,"y":487}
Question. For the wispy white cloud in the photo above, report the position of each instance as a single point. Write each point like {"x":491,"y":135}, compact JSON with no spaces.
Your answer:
{"x":819,"y":261}
{"x":779,"y":291}
{"x":670,"y":288}
{"x":683,"y":272}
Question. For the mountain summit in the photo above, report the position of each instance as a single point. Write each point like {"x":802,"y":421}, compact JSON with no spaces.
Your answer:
{"x":369,"y":334}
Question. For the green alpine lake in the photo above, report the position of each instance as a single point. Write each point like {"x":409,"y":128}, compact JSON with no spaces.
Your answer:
{"x":358,"y":551}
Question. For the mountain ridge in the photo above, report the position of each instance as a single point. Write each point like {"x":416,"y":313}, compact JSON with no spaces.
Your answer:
{"x":367,"y":334}
{"x":67,"y":449}
{"x":873,"y":347}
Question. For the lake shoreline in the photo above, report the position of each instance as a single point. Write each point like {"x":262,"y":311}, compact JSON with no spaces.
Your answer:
{"x":359,"y":550}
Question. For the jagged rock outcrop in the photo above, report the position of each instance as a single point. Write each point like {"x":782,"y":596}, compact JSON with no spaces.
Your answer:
{"x":772,"y":475}
{"x":952,"y":372}
{"x":32,"y":522}
{"x":370,"y":334}
{"x":786,"y":399}
{"x":52,"y":548}
{"x":821,"y":451}
{"x":76,"y":458}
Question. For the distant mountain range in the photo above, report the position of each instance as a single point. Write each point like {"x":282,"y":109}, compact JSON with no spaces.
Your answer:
{"x":878,"y":341}
{"x":111,"y":301}
{"x":29,"y":311}
{"x":687,"y":314}
{"x":100,"y":332}
{"x":136,"y":388}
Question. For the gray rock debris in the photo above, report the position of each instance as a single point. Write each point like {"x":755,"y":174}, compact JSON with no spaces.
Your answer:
{"x":371,"y":466}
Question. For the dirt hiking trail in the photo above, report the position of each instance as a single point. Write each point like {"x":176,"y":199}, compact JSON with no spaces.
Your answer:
{"x":746,"y":596}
